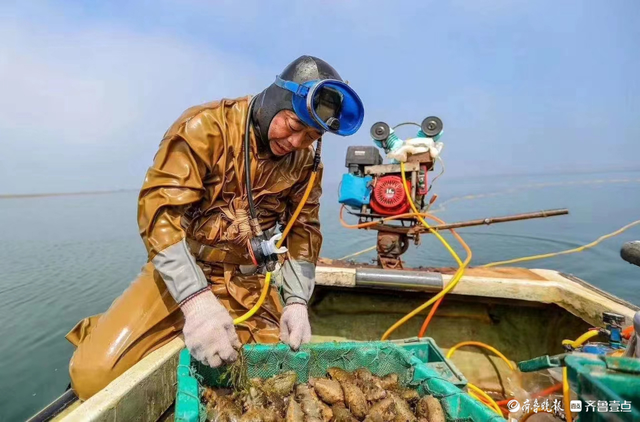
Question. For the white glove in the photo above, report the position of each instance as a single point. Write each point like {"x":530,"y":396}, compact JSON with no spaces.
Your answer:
{"x":269,"y":246}
{"x":208,"y":330}
{"x":294,"y":325}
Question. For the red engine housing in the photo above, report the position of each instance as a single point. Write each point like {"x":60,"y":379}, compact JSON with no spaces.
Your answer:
{"x":389,"y":197}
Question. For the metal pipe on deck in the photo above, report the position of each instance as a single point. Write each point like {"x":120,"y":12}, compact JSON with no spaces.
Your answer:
{"x":399,"y":280}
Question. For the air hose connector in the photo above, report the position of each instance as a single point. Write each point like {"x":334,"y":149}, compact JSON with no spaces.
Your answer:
{"x":260,"y":255}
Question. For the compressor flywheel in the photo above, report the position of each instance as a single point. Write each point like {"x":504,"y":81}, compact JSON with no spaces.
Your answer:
{"x":389,"y":197}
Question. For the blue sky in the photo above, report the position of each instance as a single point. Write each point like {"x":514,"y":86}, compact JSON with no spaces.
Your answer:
{"x":88,"y":88}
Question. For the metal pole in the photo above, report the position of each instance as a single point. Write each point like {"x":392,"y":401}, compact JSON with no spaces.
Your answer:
{"x":479,"y":222}
{"x":488,"y":221}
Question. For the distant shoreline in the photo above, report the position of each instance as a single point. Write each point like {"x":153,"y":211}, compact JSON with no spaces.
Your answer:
{"x":44,"y":195}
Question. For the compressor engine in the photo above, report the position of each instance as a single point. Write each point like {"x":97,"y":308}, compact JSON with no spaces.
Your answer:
{"x":376,"y":189}
{"x":373,"y":190}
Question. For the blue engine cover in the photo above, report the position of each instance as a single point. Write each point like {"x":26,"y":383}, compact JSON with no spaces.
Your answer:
{"x":355,"y":191}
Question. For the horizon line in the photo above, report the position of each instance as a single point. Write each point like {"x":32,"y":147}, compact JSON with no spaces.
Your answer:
{"x":44,"y":194}
{"x":103,"y":192}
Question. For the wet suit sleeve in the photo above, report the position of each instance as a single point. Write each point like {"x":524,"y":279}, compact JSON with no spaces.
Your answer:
{"x":173,"y":183}
{"x":304,"y":242}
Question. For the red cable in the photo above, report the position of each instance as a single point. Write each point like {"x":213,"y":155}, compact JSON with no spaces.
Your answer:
{"x":545,"y":392}
{"x":432,"y":312}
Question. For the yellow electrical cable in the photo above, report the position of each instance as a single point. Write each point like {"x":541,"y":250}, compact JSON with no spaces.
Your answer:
{"x":566,"y":394}
{"x":580,"y":340}
{"x":456,"y":278}
{"x":480,"y":344}
{"x":494,"y":406}
{"x":568,"y":251}
{"x":267,"y":278}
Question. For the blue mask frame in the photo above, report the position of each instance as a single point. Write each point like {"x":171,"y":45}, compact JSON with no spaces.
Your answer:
{"x":351,"y":112}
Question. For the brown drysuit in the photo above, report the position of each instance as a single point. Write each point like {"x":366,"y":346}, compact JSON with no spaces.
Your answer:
{"x":195,"y":190}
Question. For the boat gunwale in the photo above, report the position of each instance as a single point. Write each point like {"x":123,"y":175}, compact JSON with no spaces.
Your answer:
{"x":599,"y":291}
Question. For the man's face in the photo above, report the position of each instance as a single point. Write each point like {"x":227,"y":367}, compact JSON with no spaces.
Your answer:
{"x":287,"y":133}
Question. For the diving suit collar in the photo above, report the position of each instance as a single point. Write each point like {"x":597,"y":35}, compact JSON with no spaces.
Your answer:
{"x":260,"y":140}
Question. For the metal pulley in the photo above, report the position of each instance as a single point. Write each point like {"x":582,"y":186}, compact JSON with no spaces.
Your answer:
{"x":380,"y":131}
{"x":432,"y":126}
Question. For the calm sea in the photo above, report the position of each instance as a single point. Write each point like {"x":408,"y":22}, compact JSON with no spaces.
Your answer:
{"x":63,"y":258}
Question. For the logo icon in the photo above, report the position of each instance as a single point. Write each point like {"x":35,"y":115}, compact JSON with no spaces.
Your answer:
{"x":575,"y":405}
{"x":513,"y":405}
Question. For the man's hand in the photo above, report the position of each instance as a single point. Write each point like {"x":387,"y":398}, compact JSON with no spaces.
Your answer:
{"x":294,"y":325}
{"x":208,"y":330}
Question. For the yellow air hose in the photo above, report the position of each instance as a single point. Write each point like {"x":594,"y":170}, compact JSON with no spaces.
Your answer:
{"x":492,"y":404}
{"x":480,"y":344}
{"x":456,"y":278}
{"x":580,"y":340}
{"x":267,"y":278}
{"x":566,"y":394}
{"x":565,"y":252}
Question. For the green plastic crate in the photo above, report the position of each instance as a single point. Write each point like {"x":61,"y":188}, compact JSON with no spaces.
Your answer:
{"x":426,"y":349}
{"x":313,"y":359}
{"x":603,"y":378}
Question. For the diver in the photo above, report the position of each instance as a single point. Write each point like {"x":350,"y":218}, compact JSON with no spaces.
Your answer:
{"x":225,"y":176}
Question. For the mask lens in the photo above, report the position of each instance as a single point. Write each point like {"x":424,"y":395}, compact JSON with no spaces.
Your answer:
{"x":337,"y":107}
{"x":327,"y":103}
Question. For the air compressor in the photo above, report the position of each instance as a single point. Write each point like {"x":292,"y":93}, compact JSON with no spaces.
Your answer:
{"x":375,"y":188}
{"x":375,"y":192}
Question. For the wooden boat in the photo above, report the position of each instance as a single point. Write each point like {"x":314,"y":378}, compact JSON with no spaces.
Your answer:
{"x":523,"y":313}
